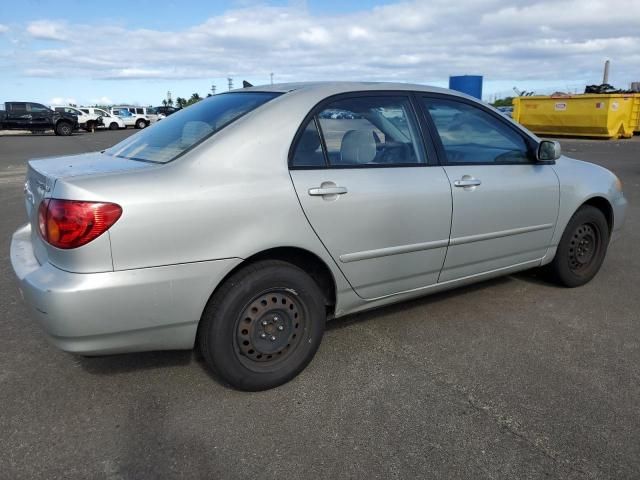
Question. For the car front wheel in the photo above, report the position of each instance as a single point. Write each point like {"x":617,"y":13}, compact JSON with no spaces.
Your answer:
{"x":582,"y":248}
{"x":141,"y":124}
{"x":263,"y":325}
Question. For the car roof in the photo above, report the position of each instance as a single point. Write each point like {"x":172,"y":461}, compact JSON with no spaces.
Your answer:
{"x":332,"y":88}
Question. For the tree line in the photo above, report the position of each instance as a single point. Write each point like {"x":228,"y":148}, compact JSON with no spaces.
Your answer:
{"x":183,"y":102}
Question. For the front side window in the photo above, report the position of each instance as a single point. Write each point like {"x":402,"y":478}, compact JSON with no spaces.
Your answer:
{"x":37,"y":108}
{"x":180,"y":132}
{"x":470,"y":135}
{"x":370,"y":131}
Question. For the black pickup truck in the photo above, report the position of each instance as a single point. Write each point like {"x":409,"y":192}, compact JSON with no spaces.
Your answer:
{"x":36,"y":118}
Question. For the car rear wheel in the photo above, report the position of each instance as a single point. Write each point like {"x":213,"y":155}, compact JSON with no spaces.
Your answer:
{"x":582,"y":248}
{"x":141,"y":124}
{"x":113,"y":126}
{"x":64,"y":129}
{"x":263,"y":325}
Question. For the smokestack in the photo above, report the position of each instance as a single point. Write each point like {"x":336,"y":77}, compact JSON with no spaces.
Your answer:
{"x":605,"y":77}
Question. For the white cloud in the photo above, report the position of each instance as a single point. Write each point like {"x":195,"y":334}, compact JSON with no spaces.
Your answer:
{"x":48,"y":30}
{"x":3,"y":29}
{"x":406,"y":41}
{"x":102,"y":101}
{"x":62,"y":101}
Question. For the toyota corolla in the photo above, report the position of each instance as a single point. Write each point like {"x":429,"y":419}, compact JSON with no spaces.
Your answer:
{"x":243,"y":223}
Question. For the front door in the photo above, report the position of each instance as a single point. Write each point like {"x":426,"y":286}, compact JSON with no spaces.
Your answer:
{"x":505,"y":205}
{"x":40,"y":116}
{"x":361,"y":173}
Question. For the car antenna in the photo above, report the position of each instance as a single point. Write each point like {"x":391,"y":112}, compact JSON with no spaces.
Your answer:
{"x":246,"y":84}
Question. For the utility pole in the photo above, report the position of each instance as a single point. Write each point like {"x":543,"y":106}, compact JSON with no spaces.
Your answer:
{"x":213,"y":89}
{"x":230,"y":80}
{"x":169,"y":100}
{"x":271,"y":75}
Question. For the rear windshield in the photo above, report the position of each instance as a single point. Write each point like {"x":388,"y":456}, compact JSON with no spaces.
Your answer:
{"x":185,"y":129}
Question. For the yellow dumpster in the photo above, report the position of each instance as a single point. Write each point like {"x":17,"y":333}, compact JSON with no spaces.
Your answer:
{"x":589,"y":115}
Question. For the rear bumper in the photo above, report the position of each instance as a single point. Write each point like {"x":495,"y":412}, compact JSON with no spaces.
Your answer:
{"x":114,"y":312}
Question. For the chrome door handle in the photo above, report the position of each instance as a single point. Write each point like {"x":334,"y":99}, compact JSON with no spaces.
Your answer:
{"x":467,"y":182}
{"x":327,"y":191}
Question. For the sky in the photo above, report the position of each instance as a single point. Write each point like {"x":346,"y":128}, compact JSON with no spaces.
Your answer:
{"x":135,"y":51}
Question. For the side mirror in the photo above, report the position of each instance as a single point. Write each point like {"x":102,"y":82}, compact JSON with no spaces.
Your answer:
{"x":549,"y":151}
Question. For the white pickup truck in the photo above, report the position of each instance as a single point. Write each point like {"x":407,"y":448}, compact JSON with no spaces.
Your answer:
{"x":112,"y":122}
{"x":85,"y":120}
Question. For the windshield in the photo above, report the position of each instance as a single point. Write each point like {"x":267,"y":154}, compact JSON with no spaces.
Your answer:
{"x":187,"y":128}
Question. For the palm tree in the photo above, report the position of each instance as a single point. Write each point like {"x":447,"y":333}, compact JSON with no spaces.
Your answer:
{"x":164,"y":102}
{"x":195,"y":98}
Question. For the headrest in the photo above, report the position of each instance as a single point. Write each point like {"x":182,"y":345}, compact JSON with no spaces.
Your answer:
{"x":358,"y":147}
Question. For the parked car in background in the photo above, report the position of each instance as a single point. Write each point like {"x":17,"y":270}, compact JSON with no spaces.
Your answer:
{"x":112,"y":122}
{"x":86,"y":121}
{"x":166,"y":111}
{"x":36,"y":118}
{"x":244,"y":240}
{"x":148,"y":113}
{"x":130,"y":119}
{"x":506,"y":111}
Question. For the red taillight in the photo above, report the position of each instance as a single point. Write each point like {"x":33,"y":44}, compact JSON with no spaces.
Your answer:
{"x":71,"y":223}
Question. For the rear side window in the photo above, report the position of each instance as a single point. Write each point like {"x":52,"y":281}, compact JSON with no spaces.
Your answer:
{"x":18,"y":107}
{"x":362,"y":131}
{"x":185,"y":129}
{"x":470,"y":135}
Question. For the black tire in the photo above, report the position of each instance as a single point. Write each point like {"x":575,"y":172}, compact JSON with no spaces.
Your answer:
{"x":113,"y":126}
{"x":582,"y":248}
{"x":141,"y":124}
{"x":263,"y":325}
{"x":64,"y":128}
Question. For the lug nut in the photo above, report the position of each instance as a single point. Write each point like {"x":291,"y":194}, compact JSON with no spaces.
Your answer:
{"x":280,"y":327}
{"x":273,"y":339}
{"x":263,"y":335}
{"x":276,"y":318}
{"x":264,"y":323}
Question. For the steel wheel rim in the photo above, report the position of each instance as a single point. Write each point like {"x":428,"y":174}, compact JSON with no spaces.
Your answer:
{"x":269,"y":329}
{"x":583,"y":247}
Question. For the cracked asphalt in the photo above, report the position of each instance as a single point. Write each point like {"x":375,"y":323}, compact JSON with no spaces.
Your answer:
{"x":513,"y":378}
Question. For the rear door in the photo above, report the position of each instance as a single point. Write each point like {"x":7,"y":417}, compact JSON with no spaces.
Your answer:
{"x":17,"y":115}
{"x":505,"y":205}
{"x":365,"y":183}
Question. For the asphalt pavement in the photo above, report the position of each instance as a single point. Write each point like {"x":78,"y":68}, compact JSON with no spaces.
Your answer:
{"x":513,"y":378}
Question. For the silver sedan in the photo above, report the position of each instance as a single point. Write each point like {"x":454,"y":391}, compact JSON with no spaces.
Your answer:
{"x":244,"y":222}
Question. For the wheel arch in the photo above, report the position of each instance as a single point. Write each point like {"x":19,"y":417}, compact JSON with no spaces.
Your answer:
{"x":604,"y":205}
{"x":304,"y":259}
